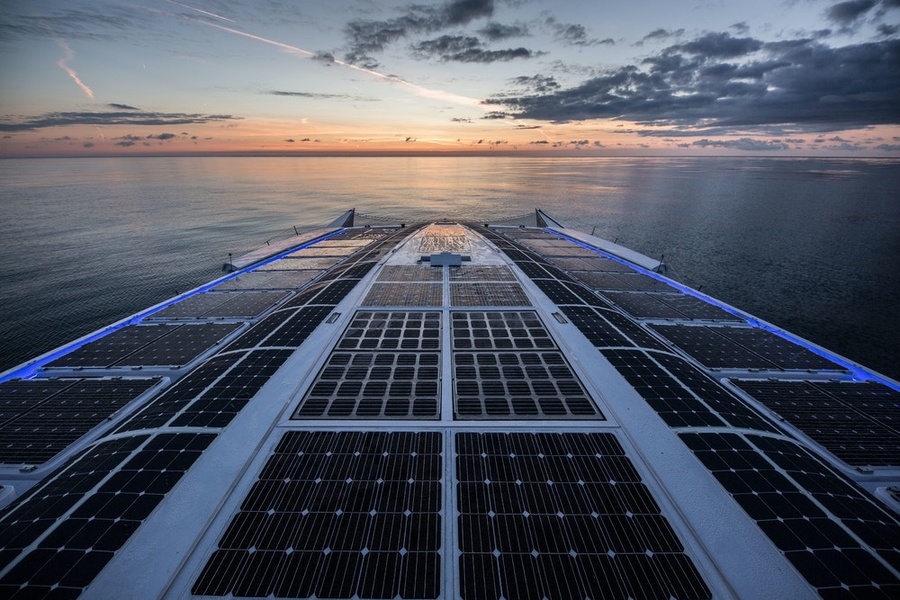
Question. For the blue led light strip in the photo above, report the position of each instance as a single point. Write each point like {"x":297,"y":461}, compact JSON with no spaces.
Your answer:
{"x":858,"y":371}
{"x":31,"y":369}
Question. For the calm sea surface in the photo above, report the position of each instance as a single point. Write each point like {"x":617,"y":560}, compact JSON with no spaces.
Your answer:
{"x":811,"y":245}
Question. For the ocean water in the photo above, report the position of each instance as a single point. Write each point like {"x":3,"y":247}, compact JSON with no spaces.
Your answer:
{"x":811,"y":245}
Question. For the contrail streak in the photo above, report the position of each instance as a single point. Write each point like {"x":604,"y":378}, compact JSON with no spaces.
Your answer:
{"x":64,"y":65}
{"x":417,"y":89}
{"x":201,"y":11}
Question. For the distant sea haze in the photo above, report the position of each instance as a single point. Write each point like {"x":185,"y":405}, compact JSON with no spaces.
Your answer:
{"x":811,"y":245}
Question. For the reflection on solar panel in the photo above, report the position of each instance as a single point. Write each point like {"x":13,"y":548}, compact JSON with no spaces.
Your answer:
{"x":147,"y":345}
{"x":562,"y":516}
{"x":621,"y":281}
{"x":317,"y":252}
{"x":337,"y":515}
{"x":595,"y":327}
{"x":81,"y":516}
{"x":410,"y":273}
{"x":600,"y":264}
{"x":293,"y":264}
{"x":488,"y":293}
{"x":43,"y":418}
{"x":808,"y":511}
{"x":268,"y":280}
{"x":838,"y":415}
{"x":216,"y":305}
{"x":404,"y":294}
{"x":730,"y":347}
{"x":481,"y":273}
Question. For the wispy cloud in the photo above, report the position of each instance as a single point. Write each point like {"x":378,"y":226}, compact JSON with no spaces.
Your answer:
{"x":63,"y":63}
{"x":129,"y":117}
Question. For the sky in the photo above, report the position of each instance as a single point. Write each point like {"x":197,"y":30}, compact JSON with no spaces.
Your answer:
{"x":567,"y":77}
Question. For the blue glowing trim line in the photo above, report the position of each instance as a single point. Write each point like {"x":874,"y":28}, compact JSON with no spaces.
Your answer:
{"x":32,"y":369}
{"x":859,"y":372}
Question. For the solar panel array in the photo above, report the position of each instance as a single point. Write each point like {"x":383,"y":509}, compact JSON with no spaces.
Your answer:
{"x":337,"y":515}
{"x":836,"y":536}
{"x":55,"y":539}
{"x":386,"y":365}
{"x":41,"y":418}
{"x":562,"y":516}
{"x":857,"y":422}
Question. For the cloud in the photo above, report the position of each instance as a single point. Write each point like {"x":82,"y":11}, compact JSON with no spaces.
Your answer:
{"x":63,"y":63}
{"x":318,"y":96}
{"x":162,"y":136}
{"x":747,"y":144}
{"x":121,"y":106}
{"x":468,"y":49}
{"x":797,"y":85}
{"x":537,"y":83}
{"x":574,"y":34}
{"x":660,"y":34}
{"x":131,"y":117}
{"x":496,"y":32}
{"x":846,"y":13}
{"x":367,"y":37}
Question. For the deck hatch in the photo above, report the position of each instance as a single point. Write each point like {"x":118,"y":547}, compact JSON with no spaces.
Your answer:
{"x":337,"y":515}
{"x":562,"y":516}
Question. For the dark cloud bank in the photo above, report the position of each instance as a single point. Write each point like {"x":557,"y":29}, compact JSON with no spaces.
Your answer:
{"x":124,"y":115}
{"x":718,"y":83}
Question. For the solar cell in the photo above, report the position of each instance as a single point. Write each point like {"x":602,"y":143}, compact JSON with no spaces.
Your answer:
{"x":358,"y":516}
{"x":562,"y":515}
{"x":621,"y":282}
{"x":711,"y":349}
{"x":113,"y":347}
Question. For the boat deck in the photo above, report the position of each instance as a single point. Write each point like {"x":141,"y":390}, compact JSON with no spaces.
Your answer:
{"x":447,"y":410}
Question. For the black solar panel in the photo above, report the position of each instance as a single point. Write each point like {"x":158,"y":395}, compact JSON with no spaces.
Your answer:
{"x":59,"y":553}
{"x":557,"y":292}
{"x":247,"y":305}
{"x":843,"y":426}
{"x":113,"y":347}
{"x":488,"y":293}
{"x":384,"y":330}
{"x":562,"y":516}
{"x":298,"y":327}
{"x":677,"y":406}
{"x":621,"y":281}
{"x":499,"y":330}
{"x":642,"y":305}
{"x":375,"y":385}
{"x":337,"y":515}
{"x":221,"y":402}
{"x":180,"y":346}
{"x":595,"y":327}
{"x":594,"y":263}
{"x":518,"y":385}
{"x":46,"y":426}
{"x":810,"y":513}
{"x":162,"y":408}
{"x":18,"y":396}
{"x":742,"y":347}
